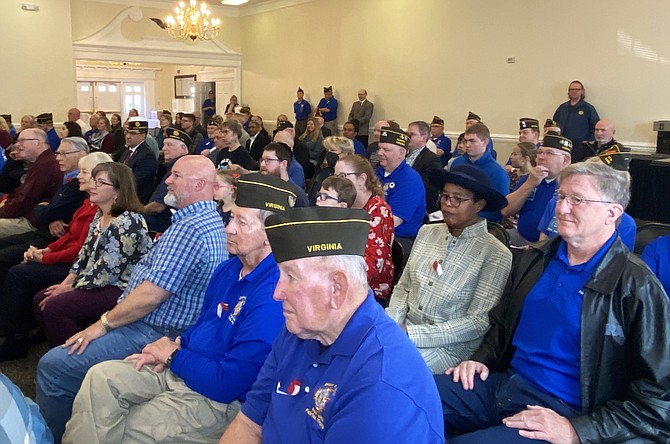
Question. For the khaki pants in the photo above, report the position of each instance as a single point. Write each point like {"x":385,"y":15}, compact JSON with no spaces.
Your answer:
{"x":18,"y":225}
{"x":118,"y":404}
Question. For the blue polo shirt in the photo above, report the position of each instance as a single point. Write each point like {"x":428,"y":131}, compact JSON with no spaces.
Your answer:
{"x":626,"y":227}
{"x":497,"y":174}
{"x":370,"y":385}
{"x":223,"y":352}
{"x":295,"y":173}
{"x":332,"y":106}
{"x":359,"y":148}
{"x":406,"y":195}
{"x":657,"y":256}
{"x":547,"y":339}
{"x":533,"y":209}
{"x":52,"y":139}
{"x":444,"y":143}
{"x":302,"y":109}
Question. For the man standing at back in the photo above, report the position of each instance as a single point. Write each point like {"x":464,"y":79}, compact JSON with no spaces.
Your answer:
{"x":362,"y":111}
{"x":302,"y":109}
{"x":476,"y":139}
{"x":328,"y":109}
{"x":577,"y":118}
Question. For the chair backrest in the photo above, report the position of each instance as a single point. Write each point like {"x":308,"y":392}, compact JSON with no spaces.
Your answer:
{"x":648,"y":233}
{"x":499,"y":232}
{"x":397,"y":256}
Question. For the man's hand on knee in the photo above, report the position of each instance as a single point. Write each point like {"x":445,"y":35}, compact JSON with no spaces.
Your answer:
{"x":79,"y":341}
{"x":465,"y":373}
{"x":542,"y":423}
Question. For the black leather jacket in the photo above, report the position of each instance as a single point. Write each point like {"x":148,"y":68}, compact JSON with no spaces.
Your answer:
{"x":625,"y":344}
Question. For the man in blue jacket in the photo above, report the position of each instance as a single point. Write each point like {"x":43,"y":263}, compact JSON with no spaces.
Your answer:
{"x":188,"y":390}
{"x":577,"y":118}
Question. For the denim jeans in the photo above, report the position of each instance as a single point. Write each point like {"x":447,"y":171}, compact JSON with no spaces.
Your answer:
{"x":59,"y":375}
{"x":478,"y":413}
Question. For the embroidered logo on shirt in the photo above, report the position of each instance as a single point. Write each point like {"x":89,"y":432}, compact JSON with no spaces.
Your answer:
{"x":581,"y":113}
{"x":238,"y":307}
{"x":321,"y":397}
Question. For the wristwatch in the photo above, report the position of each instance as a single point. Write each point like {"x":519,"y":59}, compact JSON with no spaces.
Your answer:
{"x":104,"y":322}
{"x":171,"y":357}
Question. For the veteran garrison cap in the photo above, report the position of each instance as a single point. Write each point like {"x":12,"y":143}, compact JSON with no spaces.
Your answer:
{"x":138,"y":124}
{"x":7,"y":117}
{"x":264,"y":192}
{"x":213,"y":122}
{"x":45,"y":119}
{"x":300,"y":90}
{"x":437,"y":121}
{"x":284,"y":124}
{"x":550,"y":123}
{"x":174,"y":133}
{"x":394,"y":136}
{"x":528,"y":122}
{"x":317,"y":231}
{"x":473,"y":116}
{"x":617,"y":156}
{"x":558,"y":142}
{"x":328,"y":89}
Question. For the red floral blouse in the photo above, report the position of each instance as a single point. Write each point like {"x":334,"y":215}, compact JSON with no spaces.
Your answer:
{"x":378,"y":249}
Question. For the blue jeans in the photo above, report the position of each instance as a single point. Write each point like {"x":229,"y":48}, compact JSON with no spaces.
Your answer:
{"x":60,"y":375}
{"x":478,"y":413}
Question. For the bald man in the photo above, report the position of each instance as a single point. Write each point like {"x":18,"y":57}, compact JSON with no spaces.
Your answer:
{"x":603,"y":140}
{"x":163,"y":298}
{"x":74,"y":115}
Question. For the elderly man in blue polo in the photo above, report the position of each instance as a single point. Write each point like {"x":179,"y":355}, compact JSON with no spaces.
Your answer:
{"x":341,"y":371}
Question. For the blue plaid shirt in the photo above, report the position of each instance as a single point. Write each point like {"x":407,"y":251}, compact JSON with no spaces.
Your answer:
{"x":182,"y":262}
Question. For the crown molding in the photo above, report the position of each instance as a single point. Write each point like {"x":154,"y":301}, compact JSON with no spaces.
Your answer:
{"x":214,"y":6}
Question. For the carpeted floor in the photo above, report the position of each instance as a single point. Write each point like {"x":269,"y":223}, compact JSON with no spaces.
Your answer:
{"x":22,"y":371}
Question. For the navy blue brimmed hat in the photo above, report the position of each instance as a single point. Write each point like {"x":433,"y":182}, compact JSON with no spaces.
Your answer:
{"x":471,"y":178}
{"x":317,"y":231}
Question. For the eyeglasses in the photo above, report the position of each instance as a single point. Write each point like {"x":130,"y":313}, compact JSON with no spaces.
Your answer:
{"x":65,"y":153}
{"x":454,"y":201}
{"x":99,"y":183}
{"x":20,"y":141}
{"x":550,"y":152}
{"x":576,"y":201}
{"x":268,"y":159}
{"x":344,"y":175}
{"x":324,"y":197}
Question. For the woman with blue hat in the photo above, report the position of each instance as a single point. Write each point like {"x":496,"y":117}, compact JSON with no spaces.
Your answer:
{"x":455,"y":274}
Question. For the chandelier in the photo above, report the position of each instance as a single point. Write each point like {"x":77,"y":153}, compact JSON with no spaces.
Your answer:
{"x":192,"y":22}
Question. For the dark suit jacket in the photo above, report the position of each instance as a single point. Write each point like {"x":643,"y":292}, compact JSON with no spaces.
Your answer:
{"x":424,"y":164}
{"x":143,"y":163}
{"x":301,"y":154}
{"x":256,"y":148}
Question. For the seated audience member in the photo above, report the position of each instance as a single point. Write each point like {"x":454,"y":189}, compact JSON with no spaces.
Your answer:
{"x":157,"y":213}
{"x":188,"y":126}
{"x":116,"y":242}
{"x":625,"y":225}
{"x":22,"y":421}
{"x":529,"y":131}
{"x":42,"y":266}
{"x":475,"y":139}
{"x":455,"y":274}
{"x":139,"y":157}
{"x":336,"y":192}
{"x":163,"y":297}
{"x":657,"y":256}
{"x":74,"y":116}
{"x":117,"y":133}
{"x":577,"y":349}
{"x":164,"y":122}
{"x":551,"y":125}
{"x":369,"y":197}
{"x":93,"y":123}
{"x":28,"y":121}
{"x":472,"y":119}
{"x":458,"y":151}
{"x":133,"y":113}
{"x":423,"y":160}
{"x":350,"y":131}
{"x":228,"y":149}
{"x":103,"y":140}
{"x":210,"y":368}
{"x":403,"y":187}
{"x":522,"y":160}
{"x":224,"y":194}
{"x":198,"y":123}
{"x":371,"y":150}
{"x":281,"y":118}
{"x":177,"y":120}
{"x":258,"y":138}
{"x":339,"y":357}
{"x":69,"y":129}
{"x":295,"y":170}
{"x":45,"y":122}
{"x":313,"y":139}
{"x":39,"y":185}
{"x":325,"y":132}
{"x":335,"y":147}
{"x":286,"y":135}
{"x":441,"y":141}
{"x":274,"y":162}
{"x":5,"y":132}
{"x":530,"y":197}
{"x":208,"y":142}
{"x":603,"y":140}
